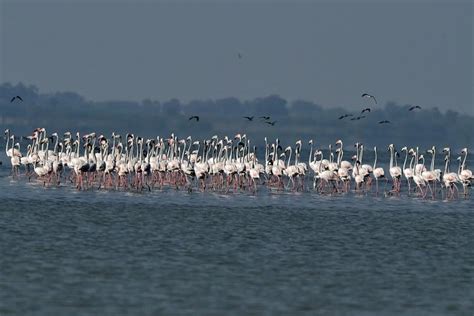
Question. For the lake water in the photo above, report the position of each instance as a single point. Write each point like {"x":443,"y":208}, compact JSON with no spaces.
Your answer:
{"x":65,"y":252}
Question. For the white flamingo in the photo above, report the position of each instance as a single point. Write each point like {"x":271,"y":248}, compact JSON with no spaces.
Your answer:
{"x":465,"y":175}
{"x":394,"y":170}
{"x":408,"y":172}
{"x":378,"y":172}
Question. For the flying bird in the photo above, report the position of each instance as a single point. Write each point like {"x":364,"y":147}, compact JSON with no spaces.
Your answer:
{"x":17,"y":97}
{"x":384,"y":122}
{"x":265,"y":117}
{"x":271,"y":123}
{"x":365,"y":110}
{"x":366,"y":95}
{"x":357,"y":118}
{"x":194,"y":117}
{"x":344,"y":116}
{"x":250,"y":118}
{"x":414,"y":107}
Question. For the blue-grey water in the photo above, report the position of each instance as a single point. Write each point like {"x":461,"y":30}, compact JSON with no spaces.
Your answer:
{"x":64,"y":252}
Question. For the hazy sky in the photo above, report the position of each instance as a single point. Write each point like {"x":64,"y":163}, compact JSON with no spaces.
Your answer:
{"x":415,"y":53}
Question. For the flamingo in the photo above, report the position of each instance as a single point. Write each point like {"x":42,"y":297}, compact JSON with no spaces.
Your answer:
{"x":342,"y":163}
{"x":408,"y":172}
{"x":394,"y":170}
{"x":10,"y":152}
{"x":291,"y":171}
{"x":449,"y":178}
{"x":465,"y":175}
{"x":365,"y":169}
{"x":417,"y":177}
{"x":254,"y":173}
{"x":378,"y":172}
{"x":430,"y":176}
{"x":359,"y":179}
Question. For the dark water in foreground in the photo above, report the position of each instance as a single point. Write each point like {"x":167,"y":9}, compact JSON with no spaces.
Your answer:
{"x":166,"y":252}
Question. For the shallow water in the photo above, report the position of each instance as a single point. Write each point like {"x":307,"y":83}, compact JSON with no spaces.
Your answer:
{"x":171,"y":252}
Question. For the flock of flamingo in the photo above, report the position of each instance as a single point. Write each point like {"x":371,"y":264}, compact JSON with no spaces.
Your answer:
{"x":227,"y":164}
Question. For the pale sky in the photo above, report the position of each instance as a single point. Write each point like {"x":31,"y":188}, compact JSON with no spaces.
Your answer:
{"x":411,"y":52}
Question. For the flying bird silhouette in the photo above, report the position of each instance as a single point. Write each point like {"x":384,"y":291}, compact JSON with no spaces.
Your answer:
{"x":366,"y":95}
{"x":365,"y":110}
{"x":384,"y":122}
{"x":194,"y":117}
{"x":414,"y":107}
{"x":357,"y":118}
{"x":250,"y":118}
{"x":271,"y":123}
{"x":265,"y":117}
{"x":344,"y":116}
{"x":17,"y":97}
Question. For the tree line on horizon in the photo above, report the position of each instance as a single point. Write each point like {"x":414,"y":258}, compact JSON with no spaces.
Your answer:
{"x":299,"y":119}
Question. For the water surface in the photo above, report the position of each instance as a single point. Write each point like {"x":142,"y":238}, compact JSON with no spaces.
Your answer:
{"x":65,"y":252}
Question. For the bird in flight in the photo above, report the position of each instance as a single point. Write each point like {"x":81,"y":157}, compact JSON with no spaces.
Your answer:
{"x":194,"y":117}
{"x":366,"y":95}
{"x":250,"y":118}
{"x":265,"y":117}
{"x":384,"y":122}
{"x":344,"y":116}
{"x":365,"y":110}
{"x":271,"y":123}
{"x":17,"y":97}
{"x":414,"y":107}
{"x":357,"y":118}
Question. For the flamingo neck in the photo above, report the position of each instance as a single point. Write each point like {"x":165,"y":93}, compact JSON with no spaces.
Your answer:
{"x":56,"y":144}
{"x":446,"y":164}
{"x":8,"y":142}
{"x":289,"y":157}
{"x":375,"y":160}
{"x":406,"y":158}
{"x":266,"y":152}
{"x":464,"y":161}
{"x":391,"y":157}
{"x":433,"y":160}
{"x":411,"y":161}
{"x":339,"y":157}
